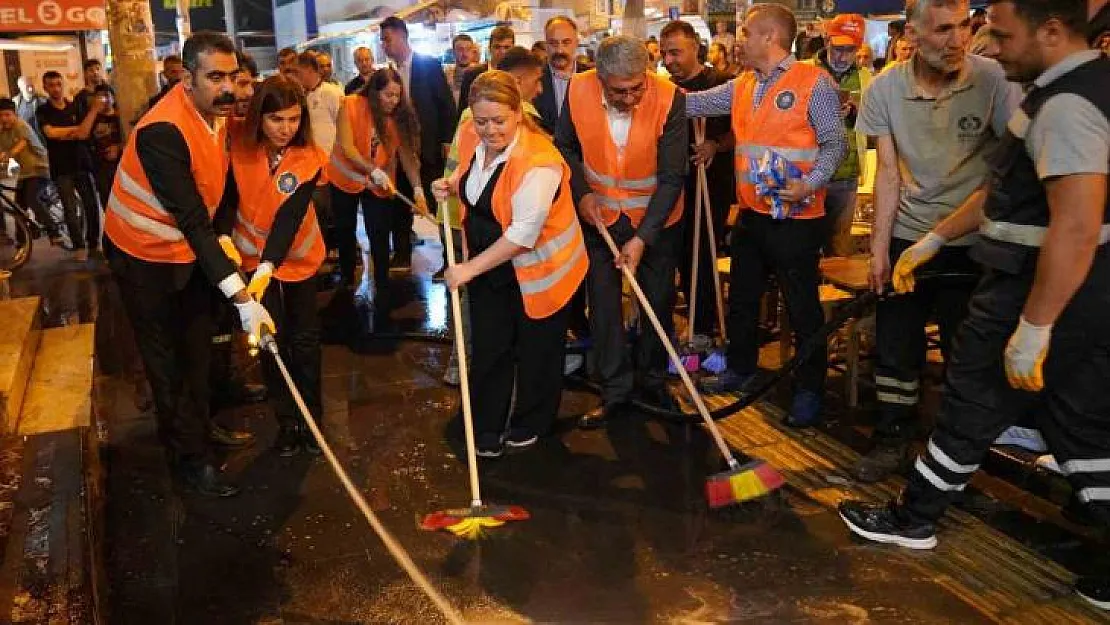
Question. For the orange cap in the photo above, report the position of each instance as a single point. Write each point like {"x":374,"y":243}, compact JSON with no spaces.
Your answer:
{"x":847,"y":29}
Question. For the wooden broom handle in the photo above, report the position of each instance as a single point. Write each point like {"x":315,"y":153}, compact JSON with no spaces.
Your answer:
{"x":464,"y":375}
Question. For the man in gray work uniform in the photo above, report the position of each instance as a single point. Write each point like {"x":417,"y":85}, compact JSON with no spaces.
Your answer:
{"x":934,"y":119}
{"x":1036,"y":340}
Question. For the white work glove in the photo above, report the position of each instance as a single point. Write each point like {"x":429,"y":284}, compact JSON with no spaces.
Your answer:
{"x":254,"y":317}
{"x":915,"y":256}
{"x":380,"y":179}
{"x":1025,"y":355}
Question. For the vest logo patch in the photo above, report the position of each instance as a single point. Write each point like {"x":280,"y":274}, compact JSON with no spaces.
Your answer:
{"x":971,"y":126}
{"x":287,"y":183}
{"x":785,"y":100}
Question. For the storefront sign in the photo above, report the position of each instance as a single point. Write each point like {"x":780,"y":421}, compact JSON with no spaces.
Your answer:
{"x":51,"y":15}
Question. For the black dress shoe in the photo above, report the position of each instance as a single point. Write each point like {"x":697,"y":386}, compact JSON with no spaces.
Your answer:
{"x":599,"y":417}
{"x":308,"y":442}
{"x":288,"y":442}
{"x":249,"y":393}
{"x":220,"y":435}
{"x":207,"y":481}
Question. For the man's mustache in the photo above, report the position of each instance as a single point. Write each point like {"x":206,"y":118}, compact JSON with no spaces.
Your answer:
{"x":224,"y":99}
{"x":560,"y":55}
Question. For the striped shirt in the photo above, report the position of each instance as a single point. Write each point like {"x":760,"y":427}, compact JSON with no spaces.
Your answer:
{"x":823,"y":115}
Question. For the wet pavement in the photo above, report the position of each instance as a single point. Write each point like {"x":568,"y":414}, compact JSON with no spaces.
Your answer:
{"x":619,"y":531}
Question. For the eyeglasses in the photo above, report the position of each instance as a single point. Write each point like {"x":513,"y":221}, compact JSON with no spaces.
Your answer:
{"x":625,"y":91}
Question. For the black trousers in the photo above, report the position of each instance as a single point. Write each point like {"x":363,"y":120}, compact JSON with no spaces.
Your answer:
{"x":401,"y":224}
{"x":1072,"y":412}
{"x":105,"y":176}
{"x":379,"y":216}
{"x":173,"y":331}
{"x":292,"y":305}
{"x":83,"y":224}
{"x":656,"y":276}
{"x":788,"y":248}
{"x":510,"y":348}
{"x":900,"y":336}
{"x":706,"y":305}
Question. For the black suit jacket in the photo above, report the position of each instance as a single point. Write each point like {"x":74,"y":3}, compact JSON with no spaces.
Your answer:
{"x":546,"y":103}
{"x":464,"y":87}
{"x":435,"y":109}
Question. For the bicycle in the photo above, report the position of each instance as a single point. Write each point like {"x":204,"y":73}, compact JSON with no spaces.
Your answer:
{"x":18,"y":231}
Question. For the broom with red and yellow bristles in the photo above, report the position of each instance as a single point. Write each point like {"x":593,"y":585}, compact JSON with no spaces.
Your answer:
{"x":738,"y":483}
{"x":469,"y":523}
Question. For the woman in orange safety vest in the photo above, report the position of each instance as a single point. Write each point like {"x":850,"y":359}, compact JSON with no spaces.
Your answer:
{"x":376,"y":131}
{"x":526,"y":260}
{"x":274,"y":169}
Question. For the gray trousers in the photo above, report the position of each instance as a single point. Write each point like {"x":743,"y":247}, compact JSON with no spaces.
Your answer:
{"x":656,"y":276}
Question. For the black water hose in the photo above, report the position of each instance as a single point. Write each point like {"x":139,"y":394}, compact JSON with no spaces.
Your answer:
{"x":844,"y":313}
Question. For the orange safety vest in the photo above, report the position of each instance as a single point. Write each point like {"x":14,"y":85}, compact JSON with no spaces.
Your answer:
{"x":135,"y":219}
{"x":622,"y":179}
{"x":781,"y":123}
{"x":261,"y":194}
{"x":551,"y":272}
{"x":340,"y":170}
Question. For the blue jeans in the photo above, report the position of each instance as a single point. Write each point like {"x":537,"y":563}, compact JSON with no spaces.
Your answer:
{"x":840,"y":209}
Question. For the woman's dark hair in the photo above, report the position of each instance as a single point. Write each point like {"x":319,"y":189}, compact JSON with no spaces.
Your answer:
{"x":277,"y":93}
{"x":408,"y":129}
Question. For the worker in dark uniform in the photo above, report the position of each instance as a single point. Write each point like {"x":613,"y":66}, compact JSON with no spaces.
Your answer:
{"x":1037,"y":331}
{"x":165,"y":256}
{"x":274,"y":171}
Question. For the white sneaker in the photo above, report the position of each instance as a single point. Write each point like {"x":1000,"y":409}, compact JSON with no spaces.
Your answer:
{"x":572,"y":363}
{"x":1026,"y":438}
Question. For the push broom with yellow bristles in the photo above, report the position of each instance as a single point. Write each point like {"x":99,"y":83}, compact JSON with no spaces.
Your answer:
{"x":739,"y":482}
{"x":469,"y":523}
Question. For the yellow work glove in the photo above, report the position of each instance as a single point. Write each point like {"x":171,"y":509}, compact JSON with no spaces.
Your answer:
{"x":1025,"y":354}
{"x":230,"y":250}
{"x":915,"y":256}
{"x":260,"y":280}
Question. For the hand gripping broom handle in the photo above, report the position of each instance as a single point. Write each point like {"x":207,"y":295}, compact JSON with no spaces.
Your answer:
{"x":464,"y":376}
{"x":646,"y":308}
{"x":692,"y":305}
{"x":395,"y":549}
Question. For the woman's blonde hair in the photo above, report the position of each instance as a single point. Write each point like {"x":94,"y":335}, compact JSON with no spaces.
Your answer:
{"x":500,"y":88}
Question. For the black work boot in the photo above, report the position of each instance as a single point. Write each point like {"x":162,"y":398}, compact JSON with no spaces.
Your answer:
{"x":288,"y":442}
{"x":308,"y":441}
{"x":886,"y":458}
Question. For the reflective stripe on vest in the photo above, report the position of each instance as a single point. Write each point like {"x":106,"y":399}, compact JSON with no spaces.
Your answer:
{"x":539,"y":285}
{"x":247,"y":246}
{"x":548,"y":250}
{"x":128,"y":183}
{"x":791,"y":154}
{"x":631,"y":184}
{"x":142,"y":222}
{"x":636,"y":202}
{"x":1029,"y":236}
{"x":337,"y":162}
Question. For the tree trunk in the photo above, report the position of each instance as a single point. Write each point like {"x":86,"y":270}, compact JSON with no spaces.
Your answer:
{"x":135,"y":73}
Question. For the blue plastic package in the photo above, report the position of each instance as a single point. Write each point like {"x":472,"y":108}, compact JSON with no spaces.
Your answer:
{"x":770,"y":173}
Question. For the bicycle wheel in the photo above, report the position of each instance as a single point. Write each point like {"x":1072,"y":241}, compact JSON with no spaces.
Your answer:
{"x":15,"y":241}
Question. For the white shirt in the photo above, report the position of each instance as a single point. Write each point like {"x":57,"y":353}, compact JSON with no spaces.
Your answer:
{"x":323,"y":111}
{"x":560,"y":82}
{"x":404,"y":68}
{"x":531,"y":202}
{"x":619,"y":123}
